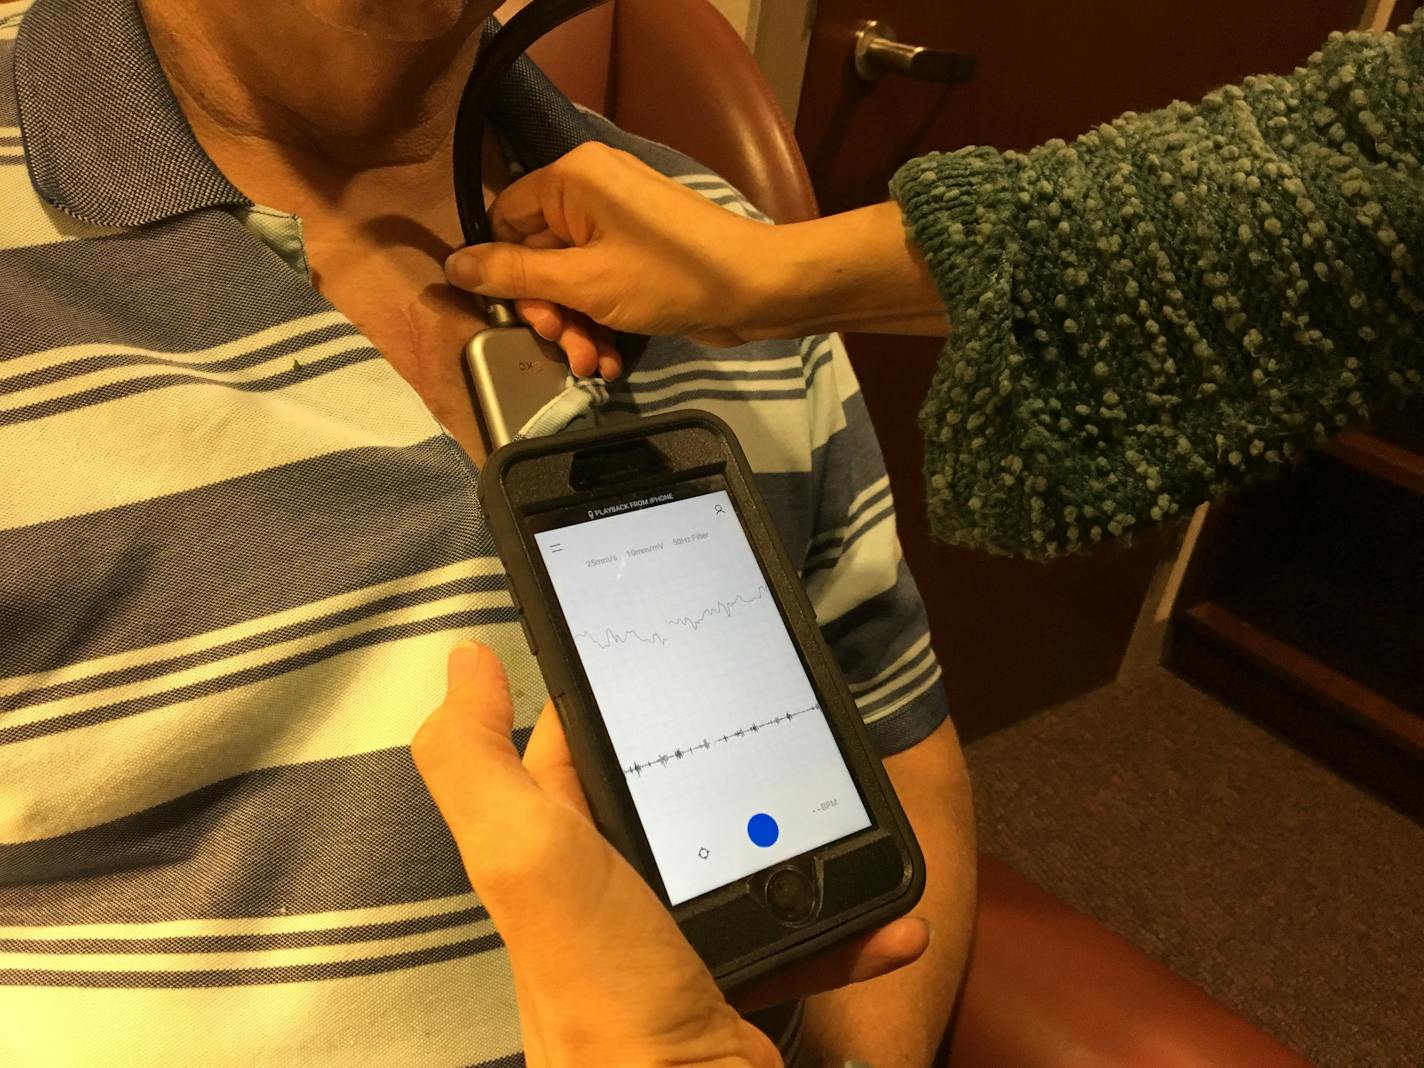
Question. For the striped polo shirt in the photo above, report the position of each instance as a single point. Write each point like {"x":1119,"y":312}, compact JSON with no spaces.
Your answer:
{"x":236,"y":550}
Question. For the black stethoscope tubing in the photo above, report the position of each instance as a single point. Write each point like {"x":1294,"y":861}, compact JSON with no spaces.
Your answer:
{"x":494,"y":60}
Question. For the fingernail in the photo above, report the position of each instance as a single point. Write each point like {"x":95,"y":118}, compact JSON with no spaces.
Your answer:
{"x":460,"y":269}
{"x":466,"y":661}
{"x":929,"y":928}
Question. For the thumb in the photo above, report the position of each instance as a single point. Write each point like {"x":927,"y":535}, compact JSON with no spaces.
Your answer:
{"x":470,"y":663}
{"x":467,"y":739}
{"x":517,"y":272}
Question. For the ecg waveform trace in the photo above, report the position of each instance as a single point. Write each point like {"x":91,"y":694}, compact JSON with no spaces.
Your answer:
{"x":721,"y":608}
{"x":662,"y":759}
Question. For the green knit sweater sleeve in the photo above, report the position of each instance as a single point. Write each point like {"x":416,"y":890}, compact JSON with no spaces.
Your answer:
{"x":1174,"y":303}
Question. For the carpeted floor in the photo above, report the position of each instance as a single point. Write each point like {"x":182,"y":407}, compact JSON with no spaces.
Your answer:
{"x":1243,"y":865}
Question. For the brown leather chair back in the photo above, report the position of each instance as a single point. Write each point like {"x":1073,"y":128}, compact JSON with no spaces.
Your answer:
{"x":578,"y":56}
{"x":675,"y":71}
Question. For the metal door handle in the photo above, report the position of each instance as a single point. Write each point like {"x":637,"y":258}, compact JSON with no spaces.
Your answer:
{"x":878,"y":52}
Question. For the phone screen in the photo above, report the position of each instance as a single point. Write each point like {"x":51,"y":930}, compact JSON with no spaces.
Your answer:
{"x":727,"y":754}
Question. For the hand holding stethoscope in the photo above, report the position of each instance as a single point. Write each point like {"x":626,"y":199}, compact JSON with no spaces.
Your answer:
{"x":599,"y":242}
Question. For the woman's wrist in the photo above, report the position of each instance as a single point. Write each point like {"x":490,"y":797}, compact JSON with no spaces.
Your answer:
{"x":854,"y":271}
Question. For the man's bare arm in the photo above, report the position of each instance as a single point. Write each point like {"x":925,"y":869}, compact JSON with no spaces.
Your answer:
{"x":898,"y":1019}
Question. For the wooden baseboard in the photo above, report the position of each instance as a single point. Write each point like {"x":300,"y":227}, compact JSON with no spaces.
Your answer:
{"x":1368,"y":738}
{"x":1379,"y":459}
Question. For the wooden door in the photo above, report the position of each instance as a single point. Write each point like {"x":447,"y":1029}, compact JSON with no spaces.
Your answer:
{"x":1016,"y":637}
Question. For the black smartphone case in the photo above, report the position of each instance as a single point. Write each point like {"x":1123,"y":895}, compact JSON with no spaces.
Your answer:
{"x":728,"y":927}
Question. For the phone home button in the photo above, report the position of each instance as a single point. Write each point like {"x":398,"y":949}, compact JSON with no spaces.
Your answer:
{"x":790,"y":897}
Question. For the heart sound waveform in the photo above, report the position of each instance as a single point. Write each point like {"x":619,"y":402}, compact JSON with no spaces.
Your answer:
{"x":720,"y":610}
{"x":663,"y":759}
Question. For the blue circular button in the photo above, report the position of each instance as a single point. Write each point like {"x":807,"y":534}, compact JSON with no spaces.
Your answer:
{"x":762,"y":830}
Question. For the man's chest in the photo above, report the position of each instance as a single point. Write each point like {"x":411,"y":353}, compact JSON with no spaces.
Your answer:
{"x":396,"y":295}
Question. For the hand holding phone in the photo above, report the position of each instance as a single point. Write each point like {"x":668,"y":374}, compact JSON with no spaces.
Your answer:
{"x":602,"y":965}
{"x":717,"y":743}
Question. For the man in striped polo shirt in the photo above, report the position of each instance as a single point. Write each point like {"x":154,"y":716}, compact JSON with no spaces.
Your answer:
{"x":240,"y":534}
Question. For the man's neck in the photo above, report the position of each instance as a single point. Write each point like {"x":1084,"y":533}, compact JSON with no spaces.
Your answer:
{"x":350,"y":129}
{"x":299,"y":108}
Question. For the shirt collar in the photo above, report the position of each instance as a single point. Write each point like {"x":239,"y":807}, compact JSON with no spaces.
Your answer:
{"x":107,"y":142}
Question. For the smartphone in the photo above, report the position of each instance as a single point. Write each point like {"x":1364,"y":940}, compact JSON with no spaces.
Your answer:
{"x":515,"y":373}
{"x":717,"y":743}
